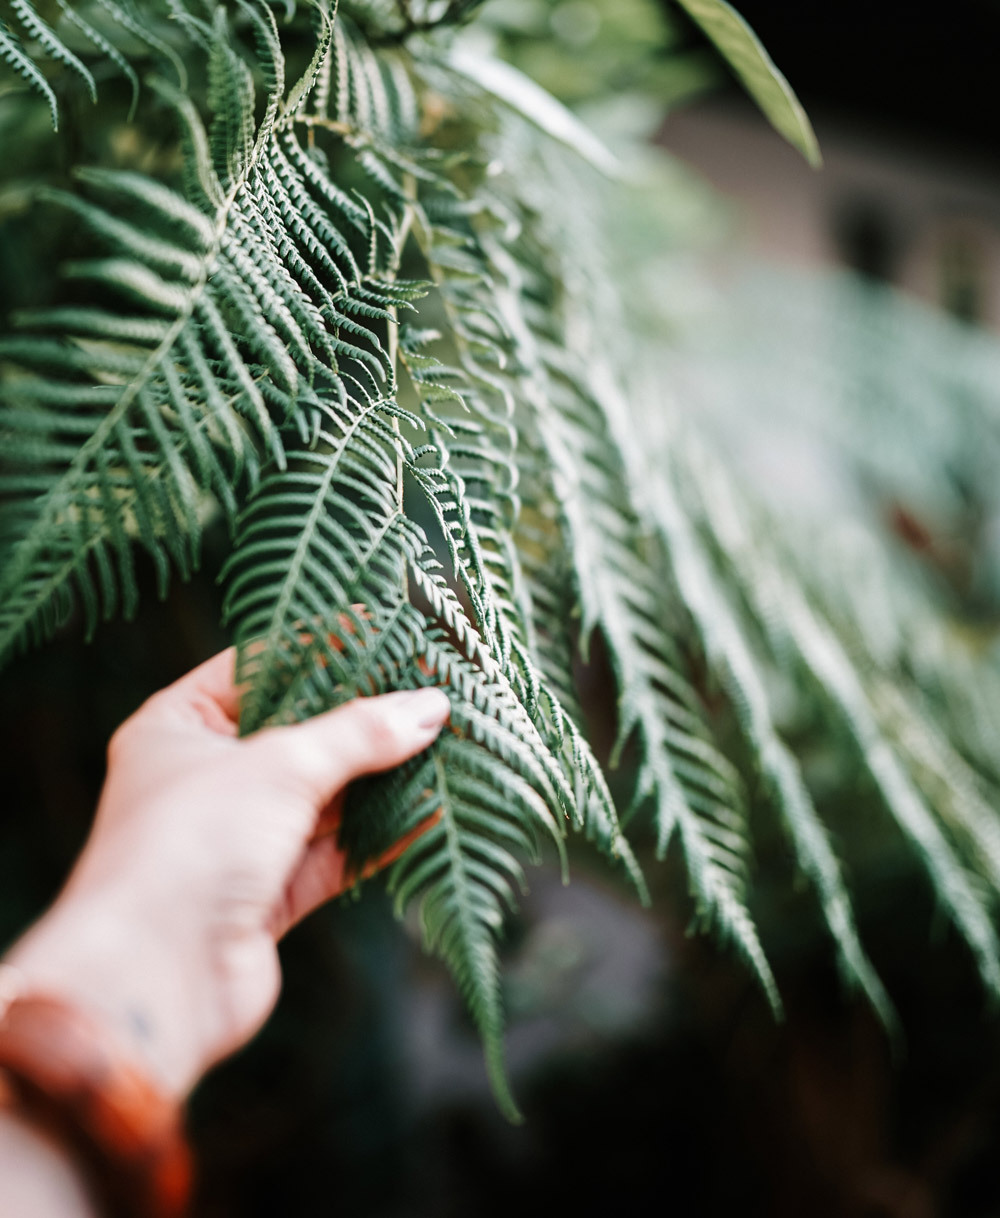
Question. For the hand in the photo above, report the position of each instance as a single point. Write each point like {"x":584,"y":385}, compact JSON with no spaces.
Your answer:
{"x":205,"y":849}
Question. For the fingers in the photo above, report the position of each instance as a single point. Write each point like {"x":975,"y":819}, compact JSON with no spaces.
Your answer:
{"x":323,"y":874}
{"x":330,"y":818}
{"x":319,"y":877}
{"x":214,"y":681}
{"x":362,"y":737}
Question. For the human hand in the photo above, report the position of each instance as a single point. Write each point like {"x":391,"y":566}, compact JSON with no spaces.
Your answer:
{"x":205,"y":849}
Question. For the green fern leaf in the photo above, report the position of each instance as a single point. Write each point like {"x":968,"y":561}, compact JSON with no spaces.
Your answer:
{"x":15,"y":56}
{"x":728,"y":653}
{"x":806,"y":641}
{"x":51,"y":44}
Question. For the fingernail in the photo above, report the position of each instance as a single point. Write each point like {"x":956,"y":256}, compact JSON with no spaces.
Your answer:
{"x":425,"y":708}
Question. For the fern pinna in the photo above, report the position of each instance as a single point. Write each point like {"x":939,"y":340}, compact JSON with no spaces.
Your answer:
{"x":360,"y":310}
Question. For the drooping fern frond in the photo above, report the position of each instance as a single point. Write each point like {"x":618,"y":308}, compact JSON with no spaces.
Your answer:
{"x":50,"y":43}
{"x":729,"y":653}
{"x":480,"y":448}
{"x":806,"y":642}
{"x":694,"y":792}
{"x":916,"y":687}
{"x":491,"y":802}
{"x":618,"y":582}
{"x":14,"y":55}
{"x":30,"y":45}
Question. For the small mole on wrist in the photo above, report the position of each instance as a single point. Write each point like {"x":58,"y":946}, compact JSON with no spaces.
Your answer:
{"x":139,"y":1023}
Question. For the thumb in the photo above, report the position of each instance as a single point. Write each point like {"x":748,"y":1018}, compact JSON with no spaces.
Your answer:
{"x":363,"y":736}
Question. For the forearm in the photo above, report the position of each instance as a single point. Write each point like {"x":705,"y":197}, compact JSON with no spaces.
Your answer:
{"x":38,"y":1178}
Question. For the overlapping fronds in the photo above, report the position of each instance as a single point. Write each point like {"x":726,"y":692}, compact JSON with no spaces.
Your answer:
{"x":870,"y":616}
{"x":729,"y":650}
{"x":568,"y":424}
{"x":224,"y":315}
{"x":80,"y":41}
{"x":806,"y":642}
{"x":368,"y":315}
{"x":695,"y":793}
{"x":473,"y":488}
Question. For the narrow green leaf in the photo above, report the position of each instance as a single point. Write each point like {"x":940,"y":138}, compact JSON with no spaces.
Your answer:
{"x":742,"y":50}
{"x":532,"y":102}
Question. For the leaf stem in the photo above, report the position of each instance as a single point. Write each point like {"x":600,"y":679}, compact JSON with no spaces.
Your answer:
{"x":392,"y":346}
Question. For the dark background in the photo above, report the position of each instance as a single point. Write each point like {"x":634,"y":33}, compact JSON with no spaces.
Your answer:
{"x":925,"y":69}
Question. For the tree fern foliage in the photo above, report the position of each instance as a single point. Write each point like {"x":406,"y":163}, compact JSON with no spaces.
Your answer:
{"x":338,"y":291}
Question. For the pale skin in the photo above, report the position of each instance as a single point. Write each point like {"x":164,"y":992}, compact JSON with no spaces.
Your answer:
{"x":206,"y":848}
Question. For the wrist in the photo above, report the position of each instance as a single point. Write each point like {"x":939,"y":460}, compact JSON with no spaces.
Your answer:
{"x":111,"y":956}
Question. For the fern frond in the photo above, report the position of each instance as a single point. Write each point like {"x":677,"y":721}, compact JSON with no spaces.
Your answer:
{"x":694,"y":792}
{"x":482,"y":785}
{"x":138,"y":414}
{"x":691,"y":786}
{"x":463,"y":895}
{"x":304,"y":549}
{"x":51,"y":44}
{"x":12,"y":52}
{"x":44,"y":41}
{"x":467,"y":408}
{"x":238,"y":343}
{"x":728,"y":652}
{"x":806,"y":642}
{"x":327,"y":533}
{"x":106,"y":48}
{"x":123,"y":15}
